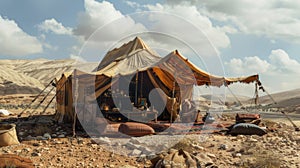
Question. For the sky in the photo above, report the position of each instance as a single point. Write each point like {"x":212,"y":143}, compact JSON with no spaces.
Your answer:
{"x":228,"y":38}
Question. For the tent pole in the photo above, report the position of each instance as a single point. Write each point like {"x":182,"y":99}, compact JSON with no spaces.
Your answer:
{"x":256,"y":94}
{"x":173,"y":102}
{"x":76,"y":98}
{"x":136,"y":88}
{"x":54,"y":96}
{"x":36,"y":97}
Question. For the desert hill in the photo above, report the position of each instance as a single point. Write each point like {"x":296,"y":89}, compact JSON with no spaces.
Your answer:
{"x":281,"y":97}
{"x":30,"y":76}
{"x":289,"y":100}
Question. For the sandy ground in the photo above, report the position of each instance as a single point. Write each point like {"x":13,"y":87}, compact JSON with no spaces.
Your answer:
{"x":279,"y":148}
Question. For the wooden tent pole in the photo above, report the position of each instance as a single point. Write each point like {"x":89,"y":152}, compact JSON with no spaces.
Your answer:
{"x":256,"y":94}
{"x":76,"y":98}
{"x":173,"y":102}
{"x":136,"y":87}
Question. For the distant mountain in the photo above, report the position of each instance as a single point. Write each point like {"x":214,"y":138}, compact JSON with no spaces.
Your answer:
{"x":30,"y":76}
{"x":281,"y":97}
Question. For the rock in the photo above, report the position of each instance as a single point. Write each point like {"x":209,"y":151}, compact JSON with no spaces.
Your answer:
{"x":61,"y":136}
{"x":94,"y":146}
{"x":197,"y":147}
{"x":58,"y":142}
{"x":36,"y":154}
{"x":54,"y":135}
{"x":21,"y":133}
{"x":47,"y":136}
{"x":46,"y":148}
{"x":36,"y":144}
{"x":252,"y":140}
{"x":29,"y":138}
{"x":211,"y":155}
{"x":40,"y":138}
{"x":240,"y":137}
{"x":238,"y":155}
{"x":18,"y":151}
{"x":27,"y":149}
{"x":223,"y":147}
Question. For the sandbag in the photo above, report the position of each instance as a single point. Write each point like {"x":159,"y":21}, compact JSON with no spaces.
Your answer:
{"x":246,"y":129}
{"x":12,"y":160}
{"x":135,"y":129}
{"x":8,"y":135}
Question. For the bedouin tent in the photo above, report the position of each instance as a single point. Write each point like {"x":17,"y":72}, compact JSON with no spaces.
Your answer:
{"x":135,"y":70}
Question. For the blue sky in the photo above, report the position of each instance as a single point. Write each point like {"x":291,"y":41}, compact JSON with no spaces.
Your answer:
{"x":245,"y":37}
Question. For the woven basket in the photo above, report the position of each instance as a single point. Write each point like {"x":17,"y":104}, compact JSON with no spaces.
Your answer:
{"x":8,"y":135}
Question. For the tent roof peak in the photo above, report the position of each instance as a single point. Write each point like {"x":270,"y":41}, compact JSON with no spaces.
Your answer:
{"x":125,"y":51}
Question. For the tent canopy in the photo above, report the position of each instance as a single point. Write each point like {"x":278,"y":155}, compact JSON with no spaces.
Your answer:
{"x":172,"y":74}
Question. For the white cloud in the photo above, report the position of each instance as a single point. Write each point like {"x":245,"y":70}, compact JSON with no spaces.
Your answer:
{"x":278,"y":73}
{"x":133,"y":4}
{"x":104,"y":15}
{"x":100,"y":26}
{"x":283,"y":63}
{"x":51,"y":25}
{"x":248,"y":65}
{"x":275,"y":19}
{"x":15,"y":42}
{"x":216,"y":34}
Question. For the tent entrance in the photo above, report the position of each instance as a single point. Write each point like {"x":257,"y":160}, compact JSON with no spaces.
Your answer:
{"x":131,"y":95}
